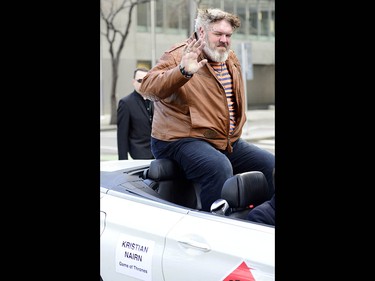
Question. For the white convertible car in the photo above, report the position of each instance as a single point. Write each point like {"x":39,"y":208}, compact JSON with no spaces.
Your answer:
{"x":152,"y":228}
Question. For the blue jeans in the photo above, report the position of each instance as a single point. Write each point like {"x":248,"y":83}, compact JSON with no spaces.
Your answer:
{"x":210,"y":167}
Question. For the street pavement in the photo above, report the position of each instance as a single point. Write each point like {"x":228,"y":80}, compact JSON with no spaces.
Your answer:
{"x":259,"y":130}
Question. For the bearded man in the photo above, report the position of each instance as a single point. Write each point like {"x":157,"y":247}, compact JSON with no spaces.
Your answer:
{"x":199,"y":109}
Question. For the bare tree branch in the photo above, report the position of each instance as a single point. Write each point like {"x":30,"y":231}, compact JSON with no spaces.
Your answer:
{"x":110,"y":12}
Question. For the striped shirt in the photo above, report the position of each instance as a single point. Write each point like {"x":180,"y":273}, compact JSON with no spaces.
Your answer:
{"x":225,"y":79}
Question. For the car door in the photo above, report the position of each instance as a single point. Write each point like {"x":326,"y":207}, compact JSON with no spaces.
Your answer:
{"x":208,"y":247}
{"x":133,"y":231}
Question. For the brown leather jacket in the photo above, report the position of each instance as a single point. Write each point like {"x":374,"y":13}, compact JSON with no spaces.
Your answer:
{"x":195,"y":107}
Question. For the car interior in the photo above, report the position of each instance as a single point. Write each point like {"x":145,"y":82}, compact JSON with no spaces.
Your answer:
{"x":162,"y":180}
{"x":242,"y":192}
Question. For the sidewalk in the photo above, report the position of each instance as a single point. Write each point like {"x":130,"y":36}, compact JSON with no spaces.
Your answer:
{"x":260,"y":124}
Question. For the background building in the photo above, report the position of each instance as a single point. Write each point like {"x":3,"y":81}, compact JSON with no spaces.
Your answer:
{"x":173,"y":21}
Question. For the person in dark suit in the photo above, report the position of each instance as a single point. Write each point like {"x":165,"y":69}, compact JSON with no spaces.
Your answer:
{"x":134,"y":120}
{"x":264,"y":213}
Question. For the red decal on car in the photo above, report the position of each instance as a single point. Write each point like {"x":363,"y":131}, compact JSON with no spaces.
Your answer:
{"x":241,"y":273}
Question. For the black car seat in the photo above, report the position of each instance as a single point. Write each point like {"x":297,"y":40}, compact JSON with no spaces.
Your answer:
{"x":244,"y":192}
{"x":166,"y":178}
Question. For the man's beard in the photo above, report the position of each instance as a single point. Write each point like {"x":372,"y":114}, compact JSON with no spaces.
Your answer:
{"x":214,"y":54}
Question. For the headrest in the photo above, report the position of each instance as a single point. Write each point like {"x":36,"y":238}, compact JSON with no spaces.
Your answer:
{"x":245,"y":190}
{"x":163,"y":169}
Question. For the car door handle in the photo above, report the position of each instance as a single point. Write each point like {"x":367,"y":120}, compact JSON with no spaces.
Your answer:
{"x":196,"y":245}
